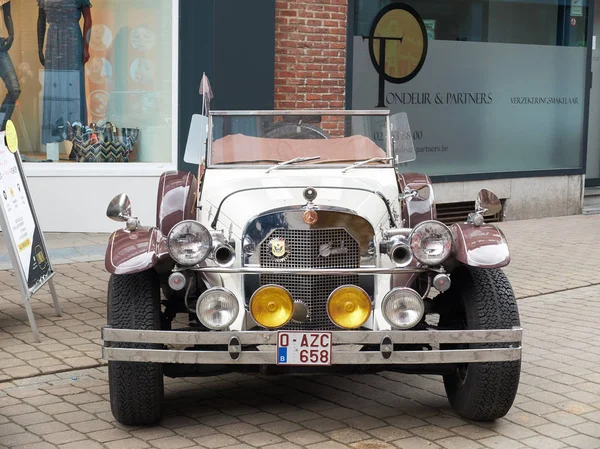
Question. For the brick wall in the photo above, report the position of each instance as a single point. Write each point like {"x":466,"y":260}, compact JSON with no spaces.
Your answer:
{"x":310,"y":54}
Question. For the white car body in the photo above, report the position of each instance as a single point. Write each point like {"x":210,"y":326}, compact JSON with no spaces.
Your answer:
{"x":283,"y":189}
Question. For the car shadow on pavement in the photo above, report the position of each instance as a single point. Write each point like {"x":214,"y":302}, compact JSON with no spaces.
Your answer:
{"x":215,"y":400}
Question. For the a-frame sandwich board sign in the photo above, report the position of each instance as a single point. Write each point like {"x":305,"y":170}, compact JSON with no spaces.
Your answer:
{"x":23,"y":236}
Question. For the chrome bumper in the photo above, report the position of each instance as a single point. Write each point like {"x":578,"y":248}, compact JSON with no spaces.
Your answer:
{"x":341,"y":355}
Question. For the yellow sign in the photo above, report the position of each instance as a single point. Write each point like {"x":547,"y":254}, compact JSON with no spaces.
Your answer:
{"x":12,"y":140}
{"x":24,"y":244}
{"x":278,"y":247}
{"x":401,"y":30}
{"x":40,"y":257}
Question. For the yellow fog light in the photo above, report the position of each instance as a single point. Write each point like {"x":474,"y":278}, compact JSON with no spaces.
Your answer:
{"x":349,"y":307}
{"x":271,"y":306}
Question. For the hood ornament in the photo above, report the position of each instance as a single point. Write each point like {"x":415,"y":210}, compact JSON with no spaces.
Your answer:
{"x":310,"y":216}
{"x":310,"y":194}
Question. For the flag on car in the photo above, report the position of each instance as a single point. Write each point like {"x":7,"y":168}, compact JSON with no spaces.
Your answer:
{"x":206,"y":92}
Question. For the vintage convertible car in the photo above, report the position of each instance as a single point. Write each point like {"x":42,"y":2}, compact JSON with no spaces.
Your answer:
{"x":302,"y":247}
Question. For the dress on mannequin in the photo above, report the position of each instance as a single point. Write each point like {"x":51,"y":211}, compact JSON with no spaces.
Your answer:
{"x":64,"y":57}
{"x":7,"y":69}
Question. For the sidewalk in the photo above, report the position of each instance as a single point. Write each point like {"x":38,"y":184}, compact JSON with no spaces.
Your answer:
{"x":66,"y":248}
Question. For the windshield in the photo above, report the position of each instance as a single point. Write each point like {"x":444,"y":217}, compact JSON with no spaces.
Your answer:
{"x":295,"y":140}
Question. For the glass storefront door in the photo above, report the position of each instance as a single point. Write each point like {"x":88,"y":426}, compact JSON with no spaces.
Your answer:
{"x":592,"y":175}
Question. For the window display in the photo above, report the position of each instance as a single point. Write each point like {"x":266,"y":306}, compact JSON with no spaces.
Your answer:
{"x":63,"y":59}
{"x":93,"y":79}
{"x":7,"y":69}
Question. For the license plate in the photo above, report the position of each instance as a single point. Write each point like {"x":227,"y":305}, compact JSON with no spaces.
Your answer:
{"x":304,"y":348}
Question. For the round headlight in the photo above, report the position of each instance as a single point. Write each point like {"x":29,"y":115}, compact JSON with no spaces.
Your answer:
{"x":349,"y":307}
{"x":189,"y":242}
{"x":217,"y":308}
{"x":431,"y":242}
{"x":272,"y":306}
{"x":403,"y":308}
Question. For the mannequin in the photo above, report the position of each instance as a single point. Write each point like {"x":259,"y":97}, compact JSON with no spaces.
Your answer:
{"x":65,"y":54}
{"x":7,"y":69}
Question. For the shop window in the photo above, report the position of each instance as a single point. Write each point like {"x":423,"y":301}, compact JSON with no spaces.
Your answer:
{"x":89,"y":80}
{"x":489,"y":86}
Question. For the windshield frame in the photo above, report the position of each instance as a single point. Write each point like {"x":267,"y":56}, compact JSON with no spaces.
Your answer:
{"x":375,"y":112}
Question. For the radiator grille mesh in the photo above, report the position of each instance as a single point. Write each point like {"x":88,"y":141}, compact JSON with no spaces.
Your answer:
{"x":307,"y":249}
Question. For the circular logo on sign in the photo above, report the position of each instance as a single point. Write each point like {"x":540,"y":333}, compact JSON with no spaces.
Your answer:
{"x":402,"y":33}
{"x":12,"y":140}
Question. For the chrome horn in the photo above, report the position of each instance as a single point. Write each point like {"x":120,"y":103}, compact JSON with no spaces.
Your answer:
{"x":222,"y":252}
{"x":399,"y":251}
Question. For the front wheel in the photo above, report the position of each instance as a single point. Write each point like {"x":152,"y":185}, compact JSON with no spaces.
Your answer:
{"x":481,"y":299}
{"x":136,"y":389}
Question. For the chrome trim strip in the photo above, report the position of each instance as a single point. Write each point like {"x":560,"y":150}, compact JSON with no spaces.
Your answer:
{"x":304,"y":271}
{"x":260,"y":227}
{"x":381,"y":196}
{"x":338,"y":358}
{"x":379,"y":112}
{"x":338,"y":337}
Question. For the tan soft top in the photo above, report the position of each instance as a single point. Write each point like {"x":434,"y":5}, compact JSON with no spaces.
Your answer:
{"x":238,"y":148}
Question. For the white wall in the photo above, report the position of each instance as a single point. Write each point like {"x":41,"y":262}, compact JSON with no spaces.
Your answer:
{"x":78,"y":204}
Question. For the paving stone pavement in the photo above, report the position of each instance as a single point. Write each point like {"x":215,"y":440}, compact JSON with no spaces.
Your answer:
{"x":70,"y":341}
{"x":558,"y":404}
{"x":54,"y":393}
{"x":65,"y":248}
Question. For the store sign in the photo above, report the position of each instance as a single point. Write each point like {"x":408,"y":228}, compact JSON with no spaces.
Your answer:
{"x":20,"y":229}
{"x":576,"y":8}
{"x":474,"y":107}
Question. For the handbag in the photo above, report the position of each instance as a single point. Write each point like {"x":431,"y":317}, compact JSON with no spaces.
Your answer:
{"x":107,"y":143}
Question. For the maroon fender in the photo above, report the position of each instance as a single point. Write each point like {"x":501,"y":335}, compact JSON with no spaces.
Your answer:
{"x":131,"y":252}
{"x":480,"y":246}
{"x":421,"y":207}
{"x":176,"y":200}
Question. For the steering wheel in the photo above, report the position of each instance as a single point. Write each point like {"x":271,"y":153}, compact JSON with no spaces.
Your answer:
{"x":299,"y":131}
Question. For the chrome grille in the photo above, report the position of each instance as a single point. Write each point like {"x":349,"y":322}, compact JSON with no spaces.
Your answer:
{"x":304,"y":249}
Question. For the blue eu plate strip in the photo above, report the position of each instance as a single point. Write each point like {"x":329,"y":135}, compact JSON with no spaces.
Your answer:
{"x":282,"y":355}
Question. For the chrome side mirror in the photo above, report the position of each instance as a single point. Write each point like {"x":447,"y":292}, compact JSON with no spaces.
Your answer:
{"x":487,"y":203}
{"x":422,"y":192}
{"x":119,"y":208}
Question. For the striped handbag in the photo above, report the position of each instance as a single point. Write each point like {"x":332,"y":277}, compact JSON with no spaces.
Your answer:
{"x":106,"y":143}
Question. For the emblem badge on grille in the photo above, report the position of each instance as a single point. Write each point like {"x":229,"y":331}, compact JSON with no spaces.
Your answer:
{"x":278,"y":248}
{"x":327,"y":250}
